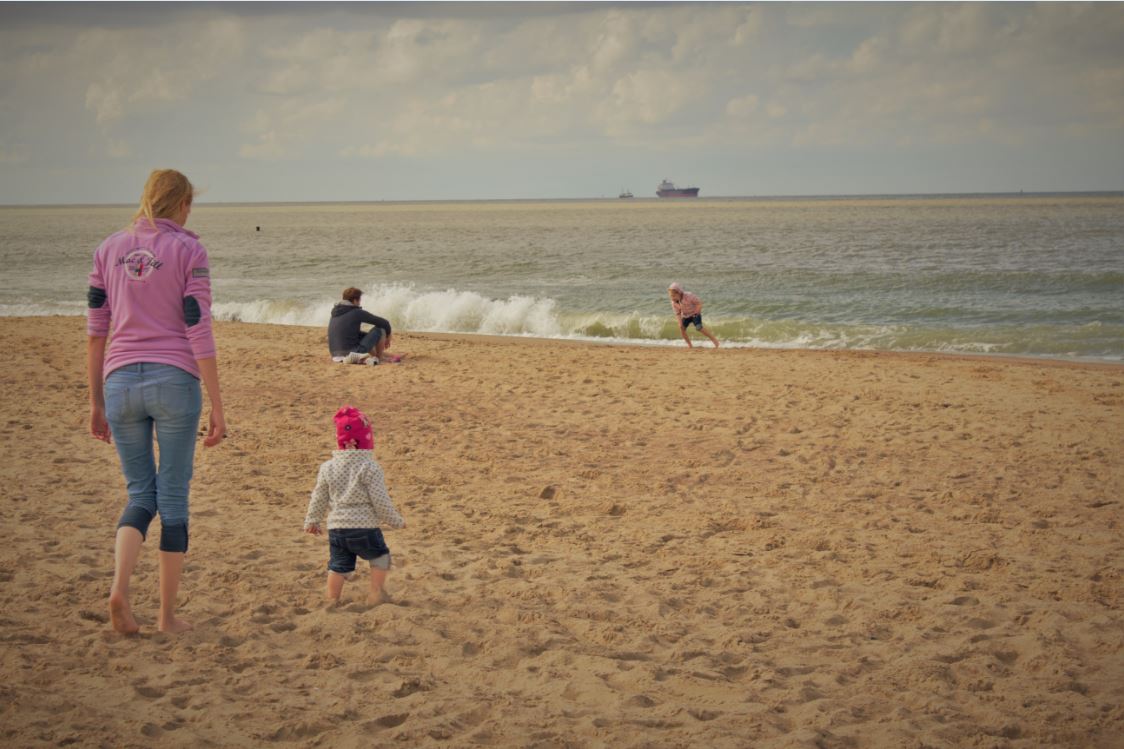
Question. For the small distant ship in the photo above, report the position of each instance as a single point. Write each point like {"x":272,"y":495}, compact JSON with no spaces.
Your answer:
{"x":669,"y":190}
{"x":625,"y":194}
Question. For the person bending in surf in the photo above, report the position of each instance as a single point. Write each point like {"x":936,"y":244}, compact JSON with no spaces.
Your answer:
{"x":348,"y":343}
{"x":688,"y":310}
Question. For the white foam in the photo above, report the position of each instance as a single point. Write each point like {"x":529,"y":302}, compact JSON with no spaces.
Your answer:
{"x":277,"y":312}
{"x":448,"y":311}
{"x":42,"y":310}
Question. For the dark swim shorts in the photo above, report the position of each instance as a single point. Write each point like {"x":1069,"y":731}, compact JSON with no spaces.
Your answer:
{"x":345,"y":544}
{"x":697,"y":320}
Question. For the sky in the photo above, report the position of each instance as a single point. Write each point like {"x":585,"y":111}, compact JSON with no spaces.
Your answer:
{"x":264,"y":102}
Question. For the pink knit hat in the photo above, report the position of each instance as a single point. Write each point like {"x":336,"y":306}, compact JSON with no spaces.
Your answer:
{"x":353,"y":430}
{"x":675,"y":287}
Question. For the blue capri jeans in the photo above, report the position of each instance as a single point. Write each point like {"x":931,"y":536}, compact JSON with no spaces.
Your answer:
{"x":140,"y":399}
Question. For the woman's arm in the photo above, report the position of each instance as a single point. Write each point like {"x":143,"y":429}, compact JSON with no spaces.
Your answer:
{"x":216,"y":430}
{"x":95,"y":368}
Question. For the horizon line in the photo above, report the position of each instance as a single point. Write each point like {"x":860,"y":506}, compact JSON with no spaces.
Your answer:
{"x":792,"y":196}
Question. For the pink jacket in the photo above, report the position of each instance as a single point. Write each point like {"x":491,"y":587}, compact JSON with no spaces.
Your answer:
{"x":154,"y":287}
{"x":688,"y":305}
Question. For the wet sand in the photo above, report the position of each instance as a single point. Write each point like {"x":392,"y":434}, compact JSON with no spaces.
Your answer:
{"x":606,"y":546}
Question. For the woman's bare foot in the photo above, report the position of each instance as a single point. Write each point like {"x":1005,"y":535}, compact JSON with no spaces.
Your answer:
{"x":121,"y":614}
{"x":176,"y":626}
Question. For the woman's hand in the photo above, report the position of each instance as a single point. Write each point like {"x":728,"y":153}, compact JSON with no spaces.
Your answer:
{"x":99,"y":427}
{"x":216,"y":430}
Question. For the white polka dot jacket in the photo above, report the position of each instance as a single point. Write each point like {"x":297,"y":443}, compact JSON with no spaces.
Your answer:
{"x":351,"y":492}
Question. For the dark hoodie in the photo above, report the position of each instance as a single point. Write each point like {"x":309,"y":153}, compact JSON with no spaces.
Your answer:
{"x":343,"y":329}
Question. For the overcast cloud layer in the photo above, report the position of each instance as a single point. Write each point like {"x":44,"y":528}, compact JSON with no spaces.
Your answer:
{"x":294,"y":102}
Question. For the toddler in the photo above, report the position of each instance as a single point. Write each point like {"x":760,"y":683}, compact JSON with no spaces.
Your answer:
{"x":351,"y":493}
{"x":688,"y":310}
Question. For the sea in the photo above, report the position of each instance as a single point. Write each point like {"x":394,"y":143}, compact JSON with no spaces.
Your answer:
{"x":1037,"y":275}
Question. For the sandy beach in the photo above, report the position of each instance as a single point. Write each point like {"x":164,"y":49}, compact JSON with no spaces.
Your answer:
{"x":607,"y":546}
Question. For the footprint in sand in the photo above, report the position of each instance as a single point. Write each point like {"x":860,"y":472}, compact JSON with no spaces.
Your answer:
{"x":151,"y":693}
{"x":386,"y":721}
{"x":1006,"y":657}
{"x":300,"y":730}
{"x":93,"y":616}
{"x":263,"y":614}
{"x":363,"y":676}
{"x":410,"y":686}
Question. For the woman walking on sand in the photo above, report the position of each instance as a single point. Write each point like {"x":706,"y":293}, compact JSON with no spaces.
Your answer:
{"x":151,"y":283}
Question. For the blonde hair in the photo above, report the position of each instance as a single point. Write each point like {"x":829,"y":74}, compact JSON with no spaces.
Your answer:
{"x":164,"y":192}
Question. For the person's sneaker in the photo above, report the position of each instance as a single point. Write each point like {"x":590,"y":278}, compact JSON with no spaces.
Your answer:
{"x":354,"y":358}
{"x":373,"y":361}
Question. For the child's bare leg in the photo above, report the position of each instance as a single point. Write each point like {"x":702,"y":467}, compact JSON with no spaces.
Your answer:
{"x":127,"y":550}
{"x":335,"y":586}
{"x":687,"y":338}
{"x":377,"y":595}
{"x":707,"y":333}
{"x":171,"y":570}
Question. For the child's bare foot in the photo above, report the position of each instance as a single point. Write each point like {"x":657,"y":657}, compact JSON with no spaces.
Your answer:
{"x":121,"y":614}
{"x":376,"y":599}
{"x":176,"y":626}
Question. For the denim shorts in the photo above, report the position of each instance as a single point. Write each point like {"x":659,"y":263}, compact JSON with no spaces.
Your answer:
{"x":345,"y":544}
{"x":696,"y":320}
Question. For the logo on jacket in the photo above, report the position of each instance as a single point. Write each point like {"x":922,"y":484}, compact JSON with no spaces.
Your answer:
{"x":139,"y":264}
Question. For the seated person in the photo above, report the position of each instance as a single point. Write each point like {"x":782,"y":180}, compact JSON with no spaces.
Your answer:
{"x":347,"y":343}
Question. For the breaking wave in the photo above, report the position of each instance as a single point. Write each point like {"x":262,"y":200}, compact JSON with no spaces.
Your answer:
{"x":455,"y":311}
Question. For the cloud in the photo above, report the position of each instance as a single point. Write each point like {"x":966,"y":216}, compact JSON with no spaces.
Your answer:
{"x":776,"y":110}
{"x":471,"y":86}
{"x":267,"y":148}
{"x":105,"y":102}
{"x":14,"y":154}
{"x":130,"y":72}
{"x":742,"y":106}
{"x":118,"y":149}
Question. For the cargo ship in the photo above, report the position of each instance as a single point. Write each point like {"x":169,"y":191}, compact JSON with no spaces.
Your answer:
{"x":669,"y":190}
